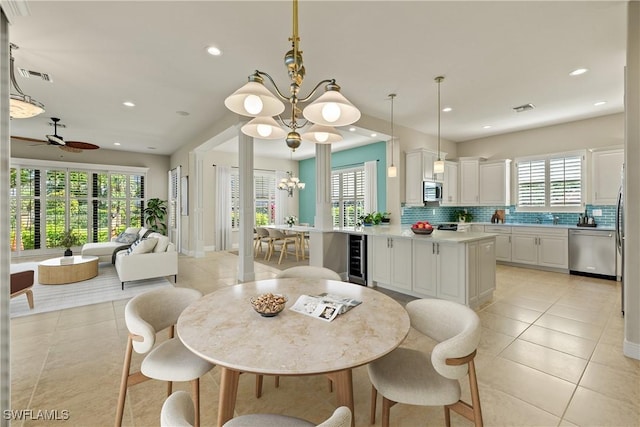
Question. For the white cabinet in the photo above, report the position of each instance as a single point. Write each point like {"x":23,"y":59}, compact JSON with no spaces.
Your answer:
{"x":481,"y":271}
{"x":425,"y":267}
{"x":450,"y":184}
{"x":546,"y":247}
{"x":391,"y":261}
{"x":606,"y":176}
{"x":469,"y":170}
{"x":503,"y":241}
{"x":418,"y":167}
{"x":495,"y":183}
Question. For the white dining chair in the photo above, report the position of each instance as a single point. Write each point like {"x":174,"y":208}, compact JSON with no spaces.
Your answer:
{"x":177,"y":411}
{"x":261,"y":236}
{"x":341,"y":417}
{"x":145,"y":315}
{"x":279,"y":238}
{"x":418,"y":378}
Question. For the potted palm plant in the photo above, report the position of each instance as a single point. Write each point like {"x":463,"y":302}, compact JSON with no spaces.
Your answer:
{"x":155,"y":214}
{"x":67,"y":240}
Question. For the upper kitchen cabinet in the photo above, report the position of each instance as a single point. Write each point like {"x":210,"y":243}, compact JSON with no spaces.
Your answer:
{"x":418,"y":167}
{"x":450,"y":184}
{"x":484,"y":183}
{"x":606,"y":176}
{"x":495,"y":183}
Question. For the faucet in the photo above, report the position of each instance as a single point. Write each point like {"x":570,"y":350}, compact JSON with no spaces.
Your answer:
{"x":538,"y":220}
{"x":556,"y":219}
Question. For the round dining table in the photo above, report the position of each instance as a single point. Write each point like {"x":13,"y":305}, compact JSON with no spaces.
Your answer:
{"x":223,"y":328}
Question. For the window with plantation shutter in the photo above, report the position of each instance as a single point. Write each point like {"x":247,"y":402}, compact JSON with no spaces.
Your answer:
{"x":347,"y":196}
{"x":551,"y":182}
{"x":264,"y":192}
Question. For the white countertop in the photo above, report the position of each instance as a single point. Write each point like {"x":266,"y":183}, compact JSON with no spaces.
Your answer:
{"x":404,"y":231}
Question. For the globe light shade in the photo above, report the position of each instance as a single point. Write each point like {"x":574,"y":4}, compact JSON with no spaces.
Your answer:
{"x":254,"y":100}
{"x":23,"y":107}
{"x":392,"y":171}
{"x":322,"y":134}
{"x":263,"y":128}
{"x":438,"y":166}
{"x":331,"y":109}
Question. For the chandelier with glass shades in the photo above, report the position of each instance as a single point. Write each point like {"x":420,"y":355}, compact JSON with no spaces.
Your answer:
{"x":328,"y":111}
{"x":21,"y":106}
{"x":290,"y":183}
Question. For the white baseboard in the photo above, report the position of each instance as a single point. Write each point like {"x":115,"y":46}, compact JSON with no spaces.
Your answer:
{"x":631,"y":349}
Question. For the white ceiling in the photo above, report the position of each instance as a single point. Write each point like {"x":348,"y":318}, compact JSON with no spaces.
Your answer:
{"x":494,"y":56}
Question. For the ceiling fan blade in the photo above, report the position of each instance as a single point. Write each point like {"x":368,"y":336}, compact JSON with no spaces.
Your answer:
{"x":82,"y":145}
{"x":70,"y":149}
{"x":24,"y":138}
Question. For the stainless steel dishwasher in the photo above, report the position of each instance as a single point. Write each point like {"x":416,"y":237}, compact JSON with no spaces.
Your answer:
{"x":592,"y":252}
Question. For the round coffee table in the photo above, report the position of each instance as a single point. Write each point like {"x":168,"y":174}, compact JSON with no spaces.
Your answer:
{"x":63,"y":270}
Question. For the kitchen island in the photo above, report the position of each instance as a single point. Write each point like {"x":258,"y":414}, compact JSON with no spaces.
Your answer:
{"x":457,"y":266}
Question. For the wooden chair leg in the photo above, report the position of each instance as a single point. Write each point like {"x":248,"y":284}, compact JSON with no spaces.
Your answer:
{"x":475,"y":395}
{"x":447,"y":416}
{"x":374,"y":398}
{"x":330,"y":385}
{"x":276,"y":381}
{"x":124,"y":382}
{"x":386,"y":410}
{"x":258,"y":386}
{"x":30,"y":298}
{"x":195,"y":392}
{"x":169,"y":388}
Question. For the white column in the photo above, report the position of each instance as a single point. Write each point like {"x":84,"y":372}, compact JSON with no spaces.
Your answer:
{"x":631,"y":276}
{"x":323,"y":219}
{"x":5,"y":152}
{"x":246,"y":272}
{"x":196,"y":223}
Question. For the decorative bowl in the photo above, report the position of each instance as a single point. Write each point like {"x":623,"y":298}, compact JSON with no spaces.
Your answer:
{"x":268,"y":305}
{"x":422,"y":230}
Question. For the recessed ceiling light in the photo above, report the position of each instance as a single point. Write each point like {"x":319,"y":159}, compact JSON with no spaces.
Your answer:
{"x":578,"y":71}
{"x":487,"y":127}
{"x":212,"y":50}
{"x":373,"y":135}
{"x":116,"y":143}
{"x":128,"y":104}
{"x":599,"y":103}
{"x":352,"y":129}
{"x":447,"y":109}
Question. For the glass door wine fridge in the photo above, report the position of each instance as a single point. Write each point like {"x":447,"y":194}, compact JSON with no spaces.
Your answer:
{"x":357,"y":259}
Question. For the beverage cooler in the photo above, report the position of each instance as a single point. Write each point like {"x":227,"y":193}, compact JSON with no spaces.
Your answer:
{"x":357,"y":250}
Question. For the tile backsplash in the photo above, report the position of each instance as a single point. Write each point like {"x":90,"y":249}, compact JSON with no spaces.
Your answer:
{"x":484,"y":213}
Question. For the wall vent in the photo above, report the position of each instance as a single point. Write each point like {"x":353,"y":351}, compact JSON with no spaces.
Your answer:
{"x":28,"y":74}
{"x":525,"y":107}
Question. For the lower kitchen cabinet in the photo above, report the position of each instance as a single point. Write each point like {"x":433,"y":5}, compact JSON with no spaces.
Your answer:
{"x":391,"y":261}
{"x":481,"y":271}
{"x":541,"y":246}
{"x":503,"y":241}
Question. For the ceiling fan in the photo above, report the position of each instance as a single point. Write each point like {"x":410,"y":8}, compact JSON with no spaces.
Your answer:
{"x":57,"y":140}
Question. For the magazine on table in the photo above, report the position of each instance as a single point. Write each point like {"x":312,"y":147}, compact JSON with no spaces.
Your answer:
{"x":324,"y":306}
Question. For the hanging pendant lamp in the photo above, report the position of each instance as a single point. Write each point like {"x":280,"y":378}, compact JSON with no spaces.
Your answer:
{"x":438,"y":165}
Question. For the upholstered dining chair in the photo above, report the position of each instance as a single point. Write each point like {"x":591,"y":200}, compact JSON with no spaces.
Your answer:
{"x":22,"y":283}
{"x":177,"y":410}
{"x":145,"y":315}
{"x":419,"y":378}
{"x":261,"y":236}
{"x":279,"y":238}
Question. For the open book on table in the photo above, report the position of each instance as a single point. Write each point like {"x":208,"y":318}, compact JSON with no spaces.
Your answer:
{"x":324,"y":306}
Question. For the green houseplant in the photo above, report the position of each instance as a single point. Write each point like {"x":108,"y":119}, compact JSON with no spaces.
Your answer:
{"x":67,"y":240}
{"x":373,"y":218}
{"x":462,"y":216}
{"x":155,"y":215}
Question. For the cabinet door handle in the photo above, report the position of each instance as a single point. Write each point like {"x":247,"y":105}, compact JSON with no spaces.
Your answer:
{"x":433,"y":248}
{"x":438,"y":246}
{"x":509,"y":239}
{"x":390,"y":242}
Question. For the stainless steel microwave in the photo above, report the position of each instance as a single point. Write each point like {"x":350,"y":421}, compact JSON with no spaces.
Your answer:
{"x":432,"y":191}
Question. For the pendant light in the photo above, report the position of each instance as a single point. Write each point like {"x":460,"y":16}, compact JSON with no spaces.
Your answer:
{"x":438,"y":165}
{"x":392,"y":171}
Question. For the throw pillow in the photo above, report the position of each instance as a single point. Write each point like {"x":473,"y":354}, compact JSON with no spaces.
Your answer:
{"x":127,"y":238}
{"x":144,"y":246}
{"x":132,"y":230}
{"x":162,"y":245}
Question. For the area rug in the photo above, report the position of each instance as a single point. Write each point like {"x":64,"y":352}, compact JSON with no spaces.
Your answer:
{"x":288,"y":262}
{"x":102,"y":288}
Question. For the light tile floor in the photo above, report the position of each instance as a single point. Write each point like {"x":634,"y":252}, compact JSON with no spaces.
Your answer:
{"x":550,"y":355}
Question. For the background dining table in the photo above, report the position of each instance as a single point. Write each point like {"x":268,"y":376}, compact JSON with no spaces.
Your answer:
{"x":223,"y":328}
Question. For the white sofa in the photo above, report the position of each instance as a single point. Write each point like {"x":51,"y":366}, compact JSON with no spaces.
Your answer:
{"x":105,"y":251}
{"x":160,"y":261}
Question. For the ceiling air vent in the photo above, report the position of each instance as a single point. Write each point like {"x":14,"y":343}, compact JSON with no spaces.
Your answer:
{"x":525,"y":107}
{"x":28,"y":74}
